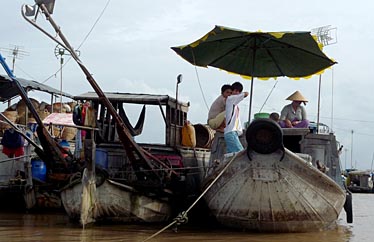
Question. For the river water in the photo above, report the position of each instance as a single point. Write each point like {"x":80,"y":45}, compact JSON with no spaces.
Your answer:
{"x":16,"y":227}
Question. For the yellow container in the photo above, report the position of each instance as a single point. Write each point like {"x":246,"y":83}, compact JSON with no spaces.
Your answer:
{"x":188,"y":135}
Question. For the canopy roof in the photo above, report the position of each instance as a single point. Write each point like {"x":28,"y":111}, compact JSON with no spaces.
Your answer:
{"x":150,"y":99}
{"x":8,"y":89}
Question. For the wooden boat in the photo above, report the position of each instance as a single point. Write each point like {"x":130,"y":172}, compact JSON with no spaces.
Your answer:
{"x":148,"y":169}
{"x":121,"y":193}
{"x":360,"y":181}
{"x":36,"y":192}
{"x":271,"y":187}
{"x":116,"y":201}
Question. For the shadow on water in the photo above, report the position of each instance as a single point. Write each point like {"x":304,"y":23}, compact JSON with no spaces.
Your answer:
{"x":17,"y":227}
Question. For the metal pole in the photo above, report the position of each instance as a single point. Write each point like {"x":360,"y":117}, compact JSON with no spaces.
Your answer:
{"x":176,"y":117}
{"x":61,"y":63}
{"x":332,"y":97}
{"x":250,"y":101}
{"x":345,"y":155}
{"x":352,"y":149}
{"x":319,"y":101}
{"x":253,"y":71}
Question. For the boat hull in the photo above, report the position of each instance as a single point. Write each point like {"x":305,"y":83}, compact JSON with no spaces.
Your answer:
{"x":116,"y":202}
{"x":275,"y":192}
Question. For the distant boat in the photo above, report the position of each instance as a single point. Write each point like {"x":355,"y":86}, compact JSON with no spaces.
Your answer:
{"x":360,"y":181}
{"x":271,"y":187}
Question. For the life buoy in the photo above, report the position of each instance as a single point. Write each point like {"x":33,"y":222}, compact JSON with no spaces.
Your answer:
{"x":348,"y":207}
{"x":264,"y":136}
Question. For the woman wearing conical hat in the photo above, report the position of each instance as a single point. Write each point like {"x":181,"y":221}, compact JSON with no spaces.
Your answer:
{"x":293,"y":115}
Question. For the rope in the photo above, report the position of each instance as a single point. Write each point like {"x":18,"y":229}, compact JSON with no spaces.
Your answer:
{"x":276,"y":82}
{"x":182,"y":217}
{"x":15,"y":158}
{"x":84,"y":40}
{"x":198,"y":81}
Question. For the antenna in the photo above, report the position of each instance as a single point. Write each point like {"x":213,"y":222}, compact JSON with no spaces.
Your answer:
{"x":15,"y":52}
{"x":326,"y":35}
{"x":59,"y":53}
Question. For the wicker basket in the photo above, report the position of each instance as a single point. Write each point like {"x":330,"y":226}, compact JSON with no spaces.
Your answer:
{"x":43,"y":114}
{"x":65,"y":108}
{"x":12,"y":116}
{"x":21,"y":106}
{"x":68,"y":133}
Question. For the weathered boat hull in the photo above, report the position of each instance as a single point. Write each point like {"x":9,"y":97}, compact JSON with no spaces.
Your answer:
{"x":274,"y":193}
{"x":116,"y":202}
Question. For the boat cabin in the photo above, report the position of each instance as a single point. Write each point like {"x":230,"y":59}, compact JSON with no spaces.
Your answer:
{"x":174,"y":114}
{"x":322,"y":148}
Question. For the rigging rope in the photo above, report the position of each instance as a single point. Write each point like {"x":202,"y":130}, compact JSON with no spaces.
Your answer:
{"x":201,"y":89}
{"x":182,"y":217}
{"x":83,"y":41}
{"x":198,"y":81}
{"x":276,"y":82}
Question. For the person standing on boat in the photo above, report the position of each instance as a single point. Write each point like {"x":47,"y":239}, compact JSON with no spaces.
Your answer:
{"x":233,"y":127}
{"x":216,"y":115}
{"x":293,"y":115}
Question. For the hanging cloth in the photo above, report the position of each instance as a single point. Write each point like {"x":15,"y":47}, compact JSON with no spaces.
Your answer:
{"x":12,"y":143}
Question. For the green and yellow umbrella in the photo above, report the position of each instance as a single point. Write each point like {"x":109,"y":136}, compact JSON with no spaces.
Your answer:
{"x":262,"y":55}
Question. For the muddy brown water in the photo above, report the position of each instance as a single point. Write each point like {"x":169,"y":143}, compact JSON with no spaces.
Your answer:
{"x":15,"y":227}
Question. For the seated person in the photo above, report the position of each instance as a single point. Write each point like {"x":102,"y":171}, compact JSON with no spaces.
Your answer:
{"x":293,"y":115}
{"x":216,"y":115}
{"x":274,"y":117}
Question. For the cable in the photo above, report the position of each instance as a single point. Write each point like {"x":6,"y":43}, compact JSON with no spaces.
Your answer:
{"x":83,"y":41}
{"x":276,"y":82}
{"x":198,"y":81}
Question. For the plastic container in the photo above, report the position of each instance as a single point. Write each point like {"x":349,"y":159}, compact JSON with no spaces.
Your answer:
{"x":188,"y":135}
{"x":261,"y":115}
{"x":101,"y":158}
{"x":39,"y":170}
{"x":66,"y":146}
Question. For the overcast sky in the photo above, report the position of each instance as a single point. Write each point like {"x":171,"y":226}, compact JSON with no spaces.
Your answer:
{"x":129,"y":51}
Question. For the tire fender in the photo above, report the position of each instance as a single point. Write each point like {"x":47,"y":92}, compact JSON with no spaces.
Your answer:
{"x":264,"y":136}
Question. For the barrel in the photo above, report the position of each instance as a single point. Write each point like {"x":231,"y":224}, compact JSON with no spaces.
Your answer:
{"x":39,"y":170}
{"x":204,"y":135}
{"x":101,"y":158}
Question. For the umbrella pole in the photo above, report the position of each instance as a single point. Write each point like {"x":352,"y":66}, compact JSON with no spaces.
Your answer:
{"x":319,"y":101}
{"x":250,"y":101}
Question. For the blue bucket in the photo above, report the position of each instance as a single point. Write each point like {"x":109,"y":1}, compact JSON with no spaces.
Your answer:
{"x":64,"y":144}
{"x":39,"y":170}
{"x":101,"y":158}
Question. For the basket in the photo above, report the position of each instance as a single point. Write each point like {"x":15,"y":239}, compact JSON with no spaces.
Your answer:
{"x":68,"y":133}
{"x":43,"y":114}
{"x":21,"y":106}
{"x":12,"y":116}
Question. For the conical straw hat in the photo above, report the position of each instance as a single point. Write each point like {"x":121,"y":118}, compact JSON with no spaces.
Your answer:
{"x":296,"y":96}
